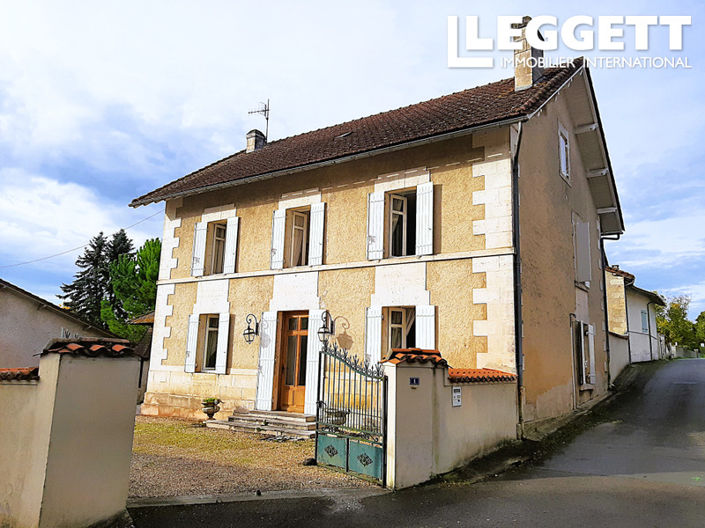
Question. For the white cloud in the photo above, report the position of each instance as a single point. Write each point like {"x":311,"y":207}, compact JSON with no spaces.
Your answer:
{"x":42,"y":216}
{"x":661,"y":243}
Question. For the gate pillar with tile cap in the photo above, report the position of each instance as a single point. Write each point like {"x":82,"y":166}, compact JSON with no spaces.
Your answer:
{"x":440,"y":418}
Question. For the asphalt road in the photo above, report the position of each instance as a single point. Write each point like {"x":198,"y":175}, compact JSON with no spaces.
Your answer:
{"x":643,"y":465}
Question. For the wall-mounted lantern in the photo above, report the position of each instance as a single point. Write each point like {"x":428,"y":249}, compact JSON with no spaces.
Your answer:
{"x":327,"y":329}
{"x":252,"y":329}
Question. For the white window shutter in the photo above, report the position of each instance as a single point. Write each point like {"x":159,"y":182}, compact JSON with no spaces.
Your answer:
{"x":221,"y":351}
{"x":278,"y":227}
{"x":230,"y":244}
{"x":373,"y":334}
{"x":375,"y":226}
{"x":315,"y":240}
{"x":191,"y":343}
{"x":583,"y":266}
{"x":315,"y":321}
{"x":591,"y":352}
{"x":199,"y":248}
{"x":426,"y":327}
{"x":424,"y":219}
{"x":265,"y":370}
{"x":581,"y":345}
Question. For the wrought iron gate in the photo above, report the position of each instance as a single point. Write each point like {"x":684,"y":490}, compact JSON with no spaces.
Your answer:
{"x":351,"y":415}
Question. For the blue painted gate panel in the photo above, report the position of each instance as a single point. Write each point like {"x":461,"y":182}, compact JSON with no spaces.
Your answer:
{"x":332,"y":450}
{"x":366,"y":459}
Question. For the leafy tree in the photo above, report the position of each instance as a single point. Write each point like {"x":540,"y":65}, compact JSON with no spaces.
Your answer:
{"x":700,"y":328}
{"x":84,"y":295}
{"x":134,"y":282}
{"x":119,"y":245}
{"x":672,"y":321}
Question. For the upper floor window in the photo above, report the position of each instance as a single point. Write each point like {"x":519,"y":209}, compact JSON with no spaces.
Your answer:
{"x":217,"y":248}
{"x":400,"y":222}
{"x":581,"y":251}
{"x":563,"y":153}
{"x":297,"y":236}
{"x":214,"y":246}
{"x":401,"y":227}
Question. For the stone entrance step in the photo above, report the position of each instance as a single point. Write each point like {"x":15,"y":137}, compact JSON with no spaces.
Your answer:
{"x":276,"y":423}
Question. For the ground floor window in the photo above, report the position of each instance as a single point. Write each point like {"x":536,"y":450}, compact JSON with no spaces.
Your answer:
{"x":399,"y":327}
{"x":584,"y":348}
{"x":210,"y":345}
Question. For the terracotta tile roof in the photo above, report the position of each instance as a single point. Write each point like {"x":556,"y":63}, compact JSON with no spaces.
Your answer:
{"x":19,"y":374}
{"x":483,"y":375}
{"x":463,"y":110}
{"x":416,"y":355}
{"x":616,"y":271}
{"x":91,"y":347}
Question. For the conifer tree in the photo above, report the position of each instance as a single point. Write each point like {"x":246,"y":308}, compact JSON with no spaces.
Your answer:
{"x":84,"y":295}
{"x":120,"y":244}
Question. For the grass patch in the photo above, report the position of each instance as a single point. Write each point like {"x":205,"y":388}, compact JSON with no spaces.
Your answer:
{"x":179,"y":438}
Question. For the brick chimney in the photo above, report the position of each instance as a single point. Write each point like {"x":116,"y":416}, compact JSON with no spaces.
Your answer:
{"x":525,"y":72}
{"x":255,"y":140}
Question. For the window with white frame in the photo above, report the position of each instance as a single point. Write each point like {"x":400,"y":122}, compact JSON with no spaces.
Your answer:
{"x":210,"y":343}
{"x":214,"y":246}
{"x":584,"y":349}
{"x":400,"y":328}
{"x":298,"y":238}
{"x":401,"y":225}
{"x":400,"y":222}
{"x":644,"y":321}
{"x":217,"y":252}
{"x":563,"y":153}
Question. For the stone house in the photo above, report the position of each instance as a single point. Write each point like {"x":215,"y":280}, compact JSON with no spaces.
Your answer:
{"x":469,"y":224}
{"x":633,"y":335}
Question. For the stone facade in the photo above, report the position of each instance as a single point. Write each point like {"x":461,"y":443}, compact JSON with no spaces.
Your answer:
{"x":458,"y":287}
{"x":466,"y":282}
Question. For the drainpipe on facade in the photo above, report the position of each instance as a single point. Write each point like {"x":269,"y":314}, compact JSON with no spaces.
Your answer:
{"x":518,"y":325}
{"x":603,"y":256}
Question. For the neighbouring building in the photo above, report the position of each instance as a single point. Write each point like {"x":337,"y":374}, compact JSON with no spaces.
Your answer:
{"x":470,"y":224}
{"x":633,"y":333}
{"x":28,"y":322}
{"x":66,"y":435}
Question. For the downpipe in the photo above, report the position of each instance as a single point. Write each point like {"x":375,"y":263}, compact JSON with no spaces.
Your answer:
{"x":518,"y":324}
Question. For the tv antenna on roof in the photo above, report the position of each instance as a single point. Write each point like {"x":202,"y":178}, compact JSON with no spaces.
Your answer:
{"x":263,"y":110}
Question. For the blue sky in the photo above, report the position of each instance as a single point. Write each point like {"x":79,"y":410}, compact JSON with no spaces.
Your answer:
{"x":104,"y":101}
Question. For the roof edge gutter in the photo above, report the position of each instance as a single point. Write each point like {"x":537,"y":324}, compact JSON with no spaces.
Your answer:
{"x":335,"y":161}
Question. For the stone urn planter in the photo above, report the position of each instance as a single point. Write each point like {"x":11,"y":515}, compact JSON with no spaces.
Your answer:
{"x":210,"y":406}
{"x":336,"y":417}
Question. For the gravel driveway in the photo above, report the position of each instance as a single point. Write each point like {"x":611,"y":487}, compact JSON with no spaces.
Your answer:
{"x":176,"y":457}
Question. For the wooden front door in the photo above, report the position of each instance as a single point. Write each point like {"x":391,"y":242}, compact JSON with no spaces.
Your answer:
{"x":292,"y":354}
